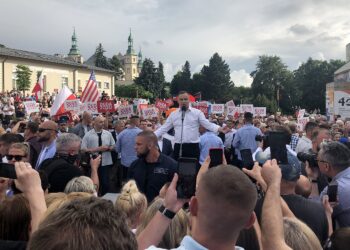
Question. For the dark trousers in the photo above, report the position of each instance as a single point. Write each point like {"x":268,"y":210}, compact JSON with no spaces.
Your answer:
{"x":124,"y":173}
{"x":103,"y":176}
{"x":116,"y":176}
{"x":190,"y":150}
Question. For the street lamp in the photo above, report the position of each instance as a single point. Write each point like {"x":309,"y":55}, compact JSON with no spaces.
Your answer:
{"x":278,"y":96}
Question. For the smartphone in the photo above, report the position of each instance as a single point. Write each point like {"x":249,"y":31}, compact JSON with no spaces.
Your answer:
{"x":187,"y":171}
{"x":7,"y":170}
{"x":332,"y":192}
{"x":216,"y":155}
{"x":247,"y":158}
{"x":278,"y":142}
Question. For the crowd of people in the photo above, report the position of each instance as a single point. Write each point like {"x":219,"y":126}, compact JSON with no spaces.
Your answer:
{"x":66,"y":170}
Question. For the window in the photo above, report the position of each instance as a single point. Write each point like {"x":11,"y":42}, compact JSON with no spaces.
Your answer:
{"x":79,"y":84}
{"x":106,"y":85}
{"x":14,"y":79}
{"x":134,"y":71}
{"x":134,"y":60}
{"x":44,"y":83}
{"x":64,"y":81}
{"x":99,"y":85}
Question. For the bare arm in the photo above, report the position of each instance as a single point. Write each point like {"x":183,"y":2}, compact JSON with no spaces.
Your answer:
{"x":272,"y":220}
{"x":95,"y":164}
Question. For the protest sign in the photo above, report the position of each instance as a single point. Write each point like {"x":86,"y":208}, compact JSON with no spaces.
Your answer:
{"x":31,"y":107}
{"x":217,"y":108}
{"x":169,"y":102}
{"x":233,"y":110}
{"x":302,"y":122}
{"x":247,"y":108}
{"x":125,"y":111}
{"x":230,"y":104}
{"x":92,"y":107}
{"x":260,"y":111}
{"x":161,"y":105}
{"x":105,"y":106}
{"x":149,"y":113}
{"x":202,"y":106}
{"x":301,"y":113}
{"x":72,"y":105}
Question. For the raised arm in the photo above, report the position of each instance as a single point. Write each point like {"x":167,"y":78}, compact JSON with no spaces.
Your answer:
{"x":166,"y":126}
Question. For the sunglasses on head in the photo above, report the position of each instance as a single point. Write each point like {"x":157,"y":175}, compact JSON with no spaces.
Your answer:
{"x":44,"y":129}
{"x":17,"y":157}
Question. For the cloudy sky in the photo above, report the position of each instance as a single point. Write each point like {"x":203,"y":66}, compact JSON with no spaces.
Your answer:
{"x":173,"y":31}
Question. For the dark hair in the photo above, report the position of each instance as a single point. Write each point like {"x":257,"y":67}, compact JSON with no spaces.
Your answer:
{"x":151,"y":137}
{"x":310,"y":126}
{"x":181,"y":92}
{"x":15,"y":218}
{"x":340,"y":239}
{"x":10,"y":138}
{"x":248,"y":239}
{"x":283,"y":129}
{"x":85,"y":223}
{"x":33,"y":127}
{"x":248,"y":116}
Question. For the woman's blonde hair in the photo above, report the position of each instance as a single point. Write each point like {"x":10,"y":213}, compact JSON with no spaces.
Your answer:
{"x":178,"y":228}
{"x":299,"y":236}
{"x":21,"y":146}
{"x":132,"y":202}
{"x":80,"y":184}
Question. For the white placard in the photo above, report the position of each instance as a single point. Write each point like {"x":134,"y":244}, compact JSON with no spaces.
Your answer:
{"x":260,"y":111}
{"x":301,"y":113}
{"x":92,"y":107}
{"x":217,"y":108}
{"x":233,"y":110}
{"x":125,"y":111}
{"x":149,"y":113}
{"x":230,"y":104}
{"x":342,"y":103}
{"x":72,"y":105}
{"x":31,"y":107}
{"x":302,"y":122}
{"x":247,"y":108}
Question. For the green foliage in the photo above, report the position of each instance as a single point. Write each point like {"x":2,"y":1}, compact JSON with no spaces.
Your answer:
{"x":151,"y":78}
{"x":23,"y":74}
{"x":100,"y":59}
{"x":214,"y":81}
{"x":132,"y":91}
{"x":116,"y":66}
{"x":311,"y":79}
{"x":182,"y":80}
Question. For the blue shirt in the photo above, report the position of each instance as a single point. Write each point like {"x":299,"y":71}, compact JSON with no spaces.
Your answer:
{"x":126,"y":145}
{"x":341,"y":212}
{"x":207,"y":141}
{"x":46,"y":153}
{"x":245,"y":139}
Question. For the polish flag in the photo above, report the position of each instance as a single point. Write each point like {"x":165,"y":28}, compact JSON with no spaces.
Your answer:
{"x":39,"y":86}
{"x":58,"y":105}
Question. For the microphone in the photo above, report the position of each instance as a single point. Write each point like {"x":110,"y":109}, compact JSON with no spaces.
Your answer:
{"x":183,"y":109}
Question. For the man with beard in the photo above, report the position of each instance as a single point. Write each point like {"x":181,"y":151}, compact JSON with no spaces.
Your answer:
{"x":47,"y":134}
{"x":152,"y":169}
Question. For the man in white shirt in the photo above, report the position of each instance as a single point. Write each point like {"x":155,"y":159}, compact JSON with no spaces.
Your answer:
{"x":186,"y":121}
{"x":305,"y":143}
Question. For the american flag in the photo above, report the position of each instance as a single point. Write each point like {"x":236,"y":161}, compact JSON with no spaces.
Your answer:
{"x":90,"y":92}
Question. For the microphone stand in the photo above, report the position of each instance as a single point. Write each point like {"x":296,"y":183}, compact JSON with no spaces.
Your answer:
{"x":183,"y":108}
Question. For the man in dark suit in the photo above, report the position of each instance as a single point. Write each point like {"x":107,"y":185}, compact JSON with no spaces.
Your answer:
{"x":165,"y":146}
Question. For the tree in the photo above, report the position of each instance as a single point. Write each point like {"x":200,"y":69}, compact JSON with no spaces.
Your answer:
{"x":100,"y":60}
{"x":133,"y":91}
{"x":151,"y":78}
{"x":182,"y":80}
{"x":214,"y":81}
{"x":116,"y":66}
{"x":272,"y":81}
{"x":311,"y":78}
{"x":23,"y":74}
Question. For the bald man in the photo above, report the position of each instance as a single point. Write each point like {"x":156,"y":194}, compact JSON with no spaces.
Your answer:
{"x":100,"y":141}
{"x":47,"y":134}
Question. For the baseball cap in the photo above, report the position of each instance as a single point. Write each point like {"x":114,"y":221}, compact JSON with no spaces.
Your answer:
{"x":290,"y":171}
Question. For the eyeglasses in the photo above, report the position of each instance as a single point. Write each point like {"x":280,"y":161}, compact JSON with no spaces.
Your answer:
{"x":17,"y":157}
{"x":44,"y":129}
{"x":149,"y":125}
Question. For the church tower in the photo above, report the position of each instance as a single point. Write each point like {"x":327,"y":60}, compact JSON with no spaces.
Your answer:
{"x":74,"y":52}
{"x":140,"y":62}
{"x":130,"y":61}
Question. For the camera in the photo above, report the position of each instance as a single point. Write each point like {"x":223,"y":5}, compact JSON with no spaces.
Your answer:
{"x":264,"y":139}
{"x":311,"y":158}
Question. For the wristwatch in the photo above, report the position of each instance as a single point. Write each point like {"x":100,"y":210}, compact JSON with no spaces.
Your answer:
{"x":166,"y":212}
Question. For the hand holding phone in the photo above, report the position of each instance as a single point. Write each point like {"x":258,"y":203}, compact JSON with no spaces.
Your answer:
{"x":332,"y":192}
{"x":216,"y":157}
{"x":7,"y":170}
{"x":186,"y":184}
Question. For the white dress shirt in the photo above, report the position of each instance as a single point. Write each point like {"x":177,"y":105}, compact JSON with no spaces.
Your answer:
{"x":304,"y":145}
{"x":193,"y":118}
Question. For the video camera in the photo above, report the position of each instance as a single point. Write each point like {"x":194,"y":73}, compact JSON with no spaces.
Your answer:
{"x":310,"y":157}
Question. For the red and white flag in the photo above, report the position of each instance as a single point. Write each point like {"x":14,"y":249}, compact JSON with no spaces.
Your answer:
{"x":58,"y":105}
{"x":90,"y":92}
{"x":39,"y":86}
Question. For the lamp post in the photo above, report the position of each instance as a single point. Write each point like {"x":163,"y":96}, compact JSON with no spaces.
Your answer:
{"x":278,"y":96}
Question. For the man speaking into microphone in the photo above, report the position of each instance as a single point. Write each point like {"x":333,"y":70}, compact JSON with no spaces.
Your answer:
{"x":185,"y":121}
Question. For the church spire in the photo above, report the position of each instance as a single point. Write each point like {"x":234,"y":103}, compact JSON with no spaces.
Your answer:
{"x":140,"y":58}
{"x":74,"y":51}
{"x":130,"y":45}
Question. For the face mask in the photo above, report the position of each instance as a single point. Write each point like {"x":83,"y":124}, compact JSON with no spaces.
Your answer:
{"x":72,"y":159}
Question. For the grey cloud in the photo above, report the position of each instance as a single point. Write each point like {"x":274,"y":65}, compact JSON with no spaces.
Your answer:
{"x":300,"y":29}
{"x":159,"y":42}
